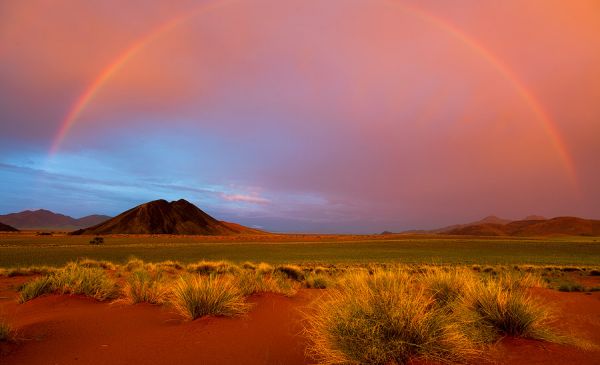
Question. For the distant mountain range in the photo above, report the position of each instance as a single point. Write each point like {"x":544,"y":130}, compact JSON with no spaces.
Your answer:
{"x":530,"y":226}
{"x":162,"y":217}
{"x":45,"y":219}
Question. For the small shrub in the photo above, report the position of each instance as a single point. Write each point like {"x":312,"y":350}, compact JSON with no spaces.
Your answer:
{"x":571,"y":287}
{"x":97,"y":241}
{"x":196,"y":296}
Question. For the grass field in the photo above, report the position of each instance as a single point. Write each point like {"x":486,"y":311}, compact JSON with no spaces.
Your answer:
{"x":28,"y":249}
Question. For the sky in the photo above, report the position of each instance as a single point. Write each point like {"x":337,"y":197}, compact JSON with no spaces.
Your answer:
{"x":338,"y":116}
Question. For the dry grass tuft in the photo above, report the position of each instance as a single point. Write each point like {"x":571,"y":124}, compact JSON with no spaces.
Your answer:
{"x":213,"y":268}
{"x":498,"y":310}
{"x":382,"y":319}
{"x":146,"y":287}
{"x":291,"y":271}
{"x":6,"y":331}
{"x":196,"y":296}
{"x":72,"y":279}
{"x":254,"y":283}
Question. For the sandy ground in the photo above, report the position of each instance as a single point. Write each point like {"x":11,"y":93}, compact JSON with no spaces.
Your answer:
{"x":77,"y":330}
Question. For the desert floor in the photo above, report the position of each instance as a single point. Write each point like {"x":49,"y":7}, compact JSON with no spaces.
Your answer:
{"x":60,"y":329}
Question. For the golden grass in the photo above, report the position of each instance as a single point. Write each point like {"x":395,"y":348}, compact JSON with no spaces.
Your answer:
{"x":213,"y":267}
{"x":143,"y":286}
{"x":196,"y":296}
{"x":72,"y":279}
{"x":291,"y":271}
{"x":381,"y":319}
{"x":432,"y":313}
{"x":255,"y":283}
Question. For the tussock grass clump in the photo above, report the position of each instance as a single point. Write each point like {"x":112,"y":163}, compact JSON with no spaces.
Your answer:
{"x":291,"y":271}
{"x":35,"y":288}
{"x":264,"y":268}
{"x":196,"y":296}
{"x":383,"y":318}
{"x":169,"y":266}
{"x":508,"y":311}
{"x":212,"y":268}
{"x":92,"y":282}
{"x":72,"y":279}
{"x":107,"y":265}
{"x":145,"y":287}
{"x":254,"y":283}
{"x":446,"y":286}
{"x":6,"y":331}
{"x":248,"y":266}
{"x":318,"y":281}
{"x":134,"y":264}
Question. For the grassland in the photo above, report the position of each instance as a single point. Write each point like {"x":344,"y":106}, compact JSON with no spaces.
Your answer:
{"x":374,"y":314}
{"x":28,"y":249}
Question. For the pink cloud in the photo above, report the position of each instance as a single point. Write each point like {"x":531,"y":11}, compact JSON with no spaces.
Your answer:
{"x":254,"y":199}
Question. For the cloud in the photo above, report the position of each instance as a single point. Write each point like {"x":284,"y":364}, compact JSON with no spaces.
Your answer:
{"x":245,"y":198}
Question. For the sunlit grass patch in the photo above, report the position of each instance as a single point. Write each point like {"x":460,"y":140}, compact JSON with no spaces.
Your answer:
{"x":196,"y":296}
{"x":382,"y":319}
{"x":72,"y":279}
{"x":107,"y":265}
{"x":291,"y":271}
{"x":213,"y":267}
{"x":447,"y":285}
{"x":134,"y":264}
{"x":92,"y":282}
{"x":264,"y":268}
{"x":318,"y":281}
{"x":145,"y":287}
{"x":501,"y":310}
{"x":35,"y":288}
{"x":255,"y":283}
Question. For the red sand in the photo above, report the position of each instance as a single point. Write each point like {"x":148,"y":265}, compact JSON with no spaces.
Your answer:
{"x":77,"y":330}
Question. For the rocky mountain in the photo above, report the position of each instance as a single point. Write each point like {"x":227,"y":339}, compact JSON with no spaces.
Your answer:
{"x":162,"y":217}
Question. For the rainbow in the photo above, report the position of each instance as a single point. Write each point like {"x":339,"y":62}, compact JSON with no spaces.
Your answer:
{"x":526,"y":95}
{"x":112,"y":69}
{"x":519,"y":86}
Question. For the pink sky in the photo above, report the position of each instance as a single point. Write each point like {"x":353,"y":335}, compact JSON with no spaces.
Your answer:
{"x":339,"y":116}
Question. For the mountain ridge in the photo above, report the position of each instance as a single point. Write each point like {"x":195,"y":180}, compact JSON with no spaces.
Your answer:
{"x":44,"y":219}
